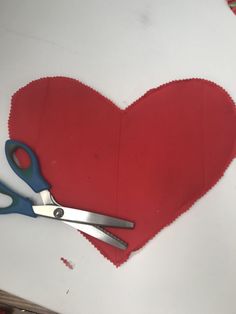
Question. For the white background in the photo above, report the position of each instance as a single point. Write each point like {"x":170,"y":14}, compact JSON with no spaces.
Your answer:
{"x":122,"y":49}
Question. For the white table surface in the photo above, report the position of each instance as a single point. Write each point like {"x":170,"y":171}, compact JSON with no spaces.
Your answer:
{"x":122,"y":49}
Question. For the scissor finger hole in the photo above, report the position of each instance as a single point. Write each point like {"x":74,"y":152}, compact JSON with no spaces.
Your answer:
{"x":5,"y":200}
{"x":21,"y":158}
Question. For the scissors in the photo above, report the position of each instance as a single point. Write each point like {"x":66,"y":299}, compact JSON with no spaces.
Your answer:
{"x":83,"y":220}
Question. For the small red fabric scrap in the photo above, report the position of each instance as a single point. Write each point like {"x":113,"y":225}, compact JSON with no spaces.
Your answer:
{"x":148,"y":163}
{"x":232,"y":5}
{"x":67,"y":263}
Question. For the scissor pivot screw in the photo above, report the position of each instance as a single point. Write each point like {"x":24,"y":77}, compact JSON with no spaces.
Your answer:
{"x":58,"y":213}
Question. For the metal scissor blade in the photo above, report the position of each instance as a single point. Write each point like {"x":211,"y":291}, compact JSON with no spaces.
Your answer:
{"x":80,"y":216}
{"x":99,"y":233}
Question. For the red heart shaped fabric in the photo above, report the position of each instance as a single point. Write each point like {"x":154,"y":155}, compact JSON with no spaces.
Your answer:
{"x":148,"y":163}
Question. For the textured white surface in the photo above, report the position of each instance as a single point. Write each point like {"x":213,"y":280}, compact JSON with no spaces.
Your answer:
{"x":122,"y":49}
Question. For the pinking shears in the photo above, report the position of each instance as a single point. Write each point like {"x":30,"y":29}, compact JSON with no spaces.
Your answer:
{"x":86,"y":221}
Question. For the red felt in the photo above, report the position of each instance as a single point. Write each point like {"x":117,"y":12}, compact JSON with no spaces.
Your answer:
{"x":232,"y":4}
{"x":148,"y":163}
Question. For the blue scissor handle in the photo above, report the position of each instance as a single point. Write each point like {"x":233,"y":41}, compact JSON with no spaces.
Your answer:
{"x":19,"y":205}
{"x":31,"y":175}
